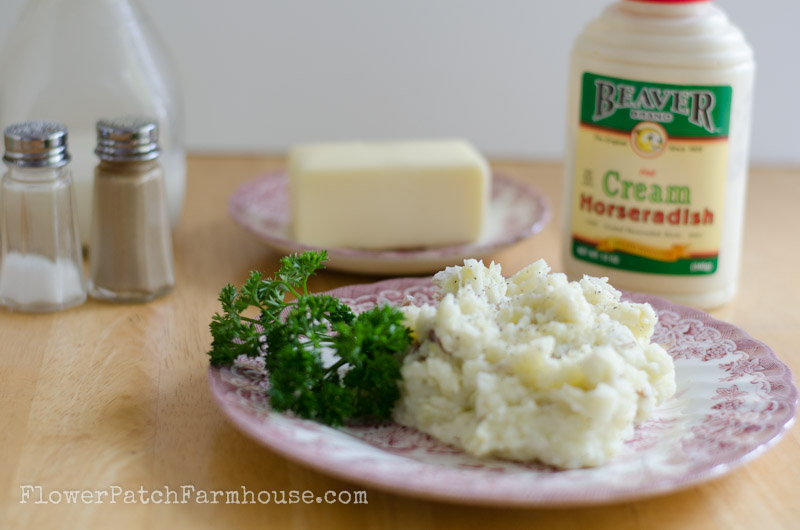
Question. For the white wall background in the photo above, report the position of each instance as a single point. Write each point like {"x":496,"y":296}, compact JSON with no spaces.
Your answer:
{"x":260,"y":75}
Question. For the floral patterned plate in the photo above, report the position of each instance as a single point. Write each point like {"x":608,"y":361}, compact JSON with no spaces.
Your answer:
{"x":516,"y":211}
{"x":734,"y":399}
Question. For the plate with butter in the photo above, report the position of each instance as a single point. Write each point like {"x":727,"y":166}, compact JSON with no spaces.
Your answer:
{"x":390,"y":207}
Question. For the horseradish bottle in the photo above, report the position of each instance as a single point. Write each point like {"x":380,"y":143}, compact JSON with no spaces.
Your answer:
{"x":656,"y":159}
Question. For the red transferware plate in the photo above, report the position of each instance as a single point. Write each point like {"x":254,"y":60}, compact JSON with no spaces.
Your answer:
{"x":516,"y":211}
{"x":734,"y":400}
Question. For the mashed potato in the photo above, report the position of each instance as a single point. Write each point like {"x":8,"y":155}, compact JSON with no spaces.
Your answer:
{"x":532,"y":368}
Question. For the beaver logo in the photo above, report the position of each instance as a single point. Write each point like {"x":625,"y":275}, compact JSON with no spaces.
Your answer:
{"x":648,"y":139}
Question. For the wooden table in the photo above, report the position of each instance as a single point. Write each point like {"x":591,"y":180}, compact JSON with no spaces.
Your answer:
{"x":105,"y":396}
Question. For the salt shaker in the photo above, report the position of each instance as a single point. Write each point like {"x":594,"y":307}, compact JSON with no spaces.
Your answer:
{"x":41,"y":265}
{"x":130,"y":258}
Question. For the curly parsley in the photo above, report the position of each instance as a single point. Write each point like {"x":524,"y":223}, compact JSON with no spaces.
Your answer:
{"x":291,"y":335}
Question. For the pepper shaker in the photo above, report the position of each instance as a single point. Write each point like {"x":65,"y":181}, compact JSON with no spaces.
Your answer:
{"x":130,"y":258}
{"x":41,"y":265}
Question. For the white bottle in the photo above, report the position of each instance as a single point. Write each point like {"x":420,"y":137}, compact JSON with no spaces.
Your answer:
{"x":657,"y":150}
{"x":78,"y":61}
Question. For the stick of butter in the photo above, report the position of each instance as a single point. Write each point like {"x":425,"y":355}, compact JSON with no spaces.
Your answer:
{"x":388,"y":194}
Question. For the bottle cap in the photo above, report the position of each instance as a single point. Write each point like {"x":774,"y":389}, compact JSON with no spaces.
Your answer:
{"x":127,"y":138}
{"x":671,"y":1}
{"x":38,"y":143}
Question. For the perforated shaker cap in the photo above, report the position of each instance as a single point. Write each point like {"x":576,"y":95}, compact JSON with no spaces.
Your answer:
{"x":127,"y":138}
{"x":38,"y":143}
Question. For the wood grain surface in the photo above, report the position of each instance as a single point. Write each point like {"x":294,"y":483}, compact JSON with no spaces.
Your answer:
{"x":115,"y":396}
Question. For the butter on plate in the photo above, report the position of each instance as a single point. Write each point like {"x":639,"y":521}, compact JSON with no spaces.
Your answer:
{"x":388,"y":194}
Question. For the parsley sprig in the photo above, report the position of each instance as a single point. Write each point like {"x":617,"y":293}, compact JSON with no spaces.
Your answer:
{"x":292,"y":330}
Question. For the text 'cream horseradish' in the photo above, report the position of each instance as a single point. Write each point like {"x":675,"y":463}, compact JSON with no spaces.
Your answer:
{"x":531,"y":368}
{"x":656,"y":165}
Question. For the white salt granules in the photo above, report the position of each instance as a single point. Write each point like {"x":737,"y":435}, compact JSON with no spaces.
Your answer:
{"x":32,"y":279}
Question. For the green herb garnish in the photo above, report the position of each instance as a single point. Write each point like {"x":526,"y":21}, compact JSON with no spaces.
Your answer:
{"x":363,"y":381}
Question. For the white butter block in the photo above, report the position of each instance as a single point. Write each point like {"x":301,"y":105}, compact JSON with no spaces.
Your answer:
{"x":389,"y":194}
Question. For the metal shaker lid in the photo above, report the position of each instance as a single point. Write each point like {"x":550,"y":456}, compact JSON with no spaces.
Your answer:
{"x":38,"y":143}
{"x":127,"y":138}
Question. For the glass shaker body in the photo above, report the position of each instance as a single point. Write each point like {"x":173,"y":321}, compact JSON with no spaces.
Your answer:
{"x":41,"y":264}
{"x":76,"y":61}
{"x":131,"y":244}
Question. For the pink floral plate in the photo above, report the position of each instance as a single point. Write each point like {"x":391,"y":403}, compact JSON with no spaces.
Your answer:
{"x":734,"y":399}
{"x":516,"y":211}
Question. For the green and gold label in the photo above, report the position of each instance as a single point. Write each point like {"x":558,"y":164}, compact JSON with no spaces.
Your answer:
{"x":651,"y":165}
